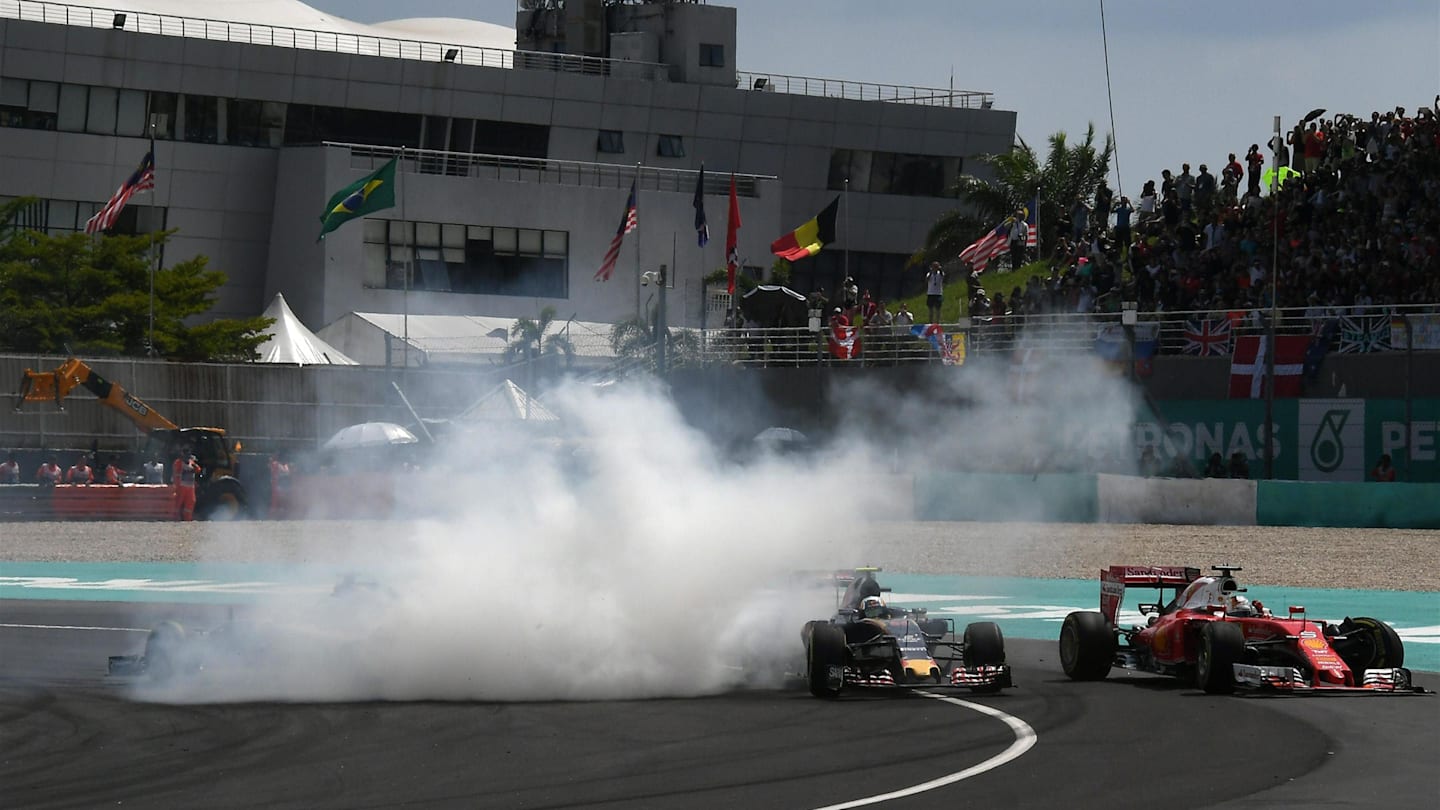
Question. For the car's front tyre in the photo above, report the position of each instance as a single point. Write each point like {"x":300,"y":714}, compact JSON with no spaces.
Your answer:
{"x":1222,"y":645}
{"x":1369,"y":644}
{"x":825,"y":660}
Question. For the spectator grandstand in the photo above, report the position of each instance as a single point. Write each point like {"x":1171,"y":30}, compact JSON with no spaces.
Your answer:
{"x":1357,"y":229}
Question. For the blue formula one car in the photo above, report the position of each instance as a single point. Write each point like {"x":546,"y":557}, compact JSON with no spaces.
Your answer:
{"x":870,"y":644}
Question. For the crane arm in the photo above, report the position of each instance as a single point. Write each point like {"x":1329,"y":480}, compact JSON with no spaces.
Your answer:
{"x":54,"y":386}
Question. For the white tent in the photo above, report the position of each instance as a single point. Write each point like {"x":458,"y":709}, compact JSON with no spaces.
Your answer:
{"x":507,"y":403}
{"x":285,"y":15}
{"x":290,"y":342}
{"x":373,"y":337}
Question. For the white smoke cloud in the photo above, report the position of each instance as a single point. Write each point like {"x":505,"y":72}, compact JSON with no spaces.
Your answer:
{"x":643,"y":564}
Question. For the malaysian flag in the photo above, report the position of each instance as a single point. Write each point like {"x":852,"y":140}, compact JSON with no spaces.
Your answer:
{"x":987,"y":247}
{"x":628,"y":223}
{"x":1207,"y":338}
{"x":142,"y":179}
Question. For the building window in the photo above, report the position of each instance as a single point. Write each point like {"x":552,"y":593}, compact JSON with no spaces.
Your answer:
{"x":137,"y":219}
{"x":202,"y":119}
{"x":891,"y":173}
{"x":670,"y":146}
{"x":255,"y":123}
{"x":311,"y":124}
{"x":610,"y":142}
{"x":101,"y":116}
{"x":130,"y":118}
{"x":59,"y":217}
{"x":163,"y":109}
{"x":712,"y":55}
{"x":73,"y":101}
{"x":476,"y":259}
{"x":28,"y":105}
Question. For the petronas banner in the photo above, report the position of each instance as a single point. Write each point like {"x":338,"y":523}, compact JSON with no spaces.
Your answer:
{"x":1315,"y":439}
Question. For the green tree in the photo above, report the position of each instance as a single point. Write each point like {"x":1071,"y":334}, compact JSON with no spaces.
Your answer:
{"x":531,"y":340}
{"x":634,"y":339}
{"x":92,"y":295}
{"x":1069,"y":172}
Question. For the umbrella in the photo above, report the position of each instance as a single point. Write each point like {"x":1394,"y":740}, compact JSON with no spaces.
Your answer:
{"x":1285,"y":174}
{"x":370,"y":434}
{"x":1313,"y":114}
{"x":774,"y":306}
{"x":780,"y":435}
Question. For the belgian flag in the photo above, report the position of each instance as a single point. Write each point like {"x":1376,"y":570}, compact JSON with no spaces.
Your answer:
{"x":808,"y":239}
{"x":371,"y":193}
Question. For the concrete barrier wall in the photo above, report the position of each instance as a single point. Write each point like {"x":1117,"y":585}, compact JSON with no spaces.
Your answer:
{"x":1054,"y":498}
{"x":1204,"y":502}
{"x":1083,"y":498}
{"x":1309,"y":503}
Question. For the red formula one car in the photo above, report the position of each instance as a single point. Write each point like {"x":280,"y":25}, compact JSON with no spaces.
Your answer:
{"x":1211,"y":632}
{"x":868,"y":643}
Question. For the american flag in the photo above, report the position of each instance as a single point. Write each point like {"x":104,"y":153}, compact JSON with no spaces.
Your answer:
{"x":628,"y":223}
{"x":987,"y":247}
{"x":143,"y":179}
{"x":1207,"y":338}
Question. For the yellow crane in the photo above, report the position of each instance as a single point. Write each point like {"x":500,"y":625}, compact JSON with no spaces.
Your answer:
{"x":218,"y":494}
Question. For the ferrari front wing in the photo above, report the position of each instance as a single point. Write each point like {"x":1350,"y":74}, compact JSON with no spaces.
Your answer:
{"x":1387,"y":680}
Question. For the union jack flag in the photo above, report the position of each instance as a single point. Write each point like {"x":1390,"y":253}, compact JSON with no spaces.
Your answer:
{"x":142,"y":179}
{"x":1364,"y":334}
{"x":1207,"y":338}
{"x":628,"y":223}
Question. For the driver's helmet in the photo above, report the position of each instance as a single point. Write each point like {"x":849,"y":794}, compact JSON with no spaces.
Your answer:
{"x":871,"y":607}
{"x":1239,"y":606}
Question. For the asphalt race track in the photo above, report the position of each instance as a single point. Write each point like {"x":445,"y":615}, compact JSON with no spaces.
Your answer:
{"x":69,"y":738}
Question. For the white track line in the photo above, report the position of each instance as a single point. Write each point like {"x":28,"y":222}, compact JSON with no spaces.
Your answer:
{"x":72,"y":627}
{"x":1025,"y":739}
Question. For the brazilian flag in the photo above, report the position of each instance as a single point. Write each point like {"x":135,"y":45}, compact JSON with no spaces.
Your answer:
{"x":371,"y":193}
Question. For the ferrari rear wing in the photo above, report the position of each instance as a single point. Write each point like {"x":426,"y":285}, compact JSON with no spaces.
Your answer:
{"x":1115,"y":579}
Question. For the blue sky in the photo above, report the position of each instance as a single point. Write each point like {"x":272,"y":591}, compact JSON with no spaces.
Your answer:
{"x":1192,"y":81}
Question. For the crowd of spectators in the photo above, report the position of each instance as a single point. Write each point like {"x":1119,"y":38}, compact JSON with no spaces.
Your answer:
{"x":1358,"y":223}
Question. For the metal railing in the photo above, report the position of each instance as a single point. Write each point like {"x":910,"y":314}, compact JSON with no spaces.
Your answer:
{"x":1056,"y":335}
{"x":547,"y":170}
{"x":863,"y":91}
{"x":365,"y":44}
{"x":331,"y":41}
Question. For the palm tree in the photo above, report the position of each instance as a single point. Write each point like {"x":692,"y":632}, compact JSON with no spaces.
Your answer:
{"x":633,"y":339}
{"x":529,"y":341}
{"x":1068,"y":173}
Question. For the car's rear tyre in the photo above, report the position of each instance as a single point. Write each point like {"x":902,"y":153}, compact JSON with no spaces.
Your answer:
{"x":827,"y":649}
{"x":1087,"y":646}
{"x":1369,"y":644}
{"x":162,"y":650}
{"x":1222,"y":645}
